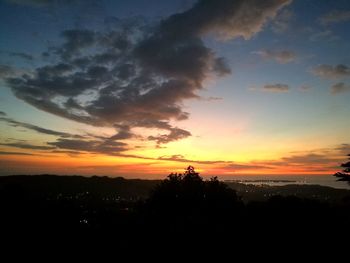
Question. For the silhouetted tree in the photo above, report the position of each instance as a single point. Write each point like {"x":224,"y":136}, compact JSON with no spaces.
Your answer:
{"x":345,"y":174}
{"x":188,"y":195}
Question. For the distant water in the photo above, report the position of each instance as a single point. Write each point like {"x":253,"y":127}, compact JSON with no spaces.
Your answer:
{"x":277,"y":180}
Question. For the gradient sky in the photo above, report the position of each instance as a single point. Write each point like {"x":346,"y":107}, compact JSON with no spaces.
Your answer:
{"x":140,"y":88}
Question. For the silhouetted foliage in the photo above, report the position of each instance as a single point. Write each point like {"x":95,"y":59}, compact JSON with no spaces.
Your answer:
{"x":345,"y":174}
{"x":188,"y":193}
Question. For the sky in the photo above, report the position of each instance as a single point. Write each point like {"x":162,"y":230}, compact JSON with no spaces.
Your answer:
{"x":142,"y":88}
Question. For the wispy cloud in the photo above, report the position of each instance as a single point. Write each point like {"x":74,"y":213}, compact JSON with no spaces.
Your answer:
{"x":324,"y":34}
{"x":22,"y":55}
{"x":280,"y":56}
{"x":38,"y":129}
{"x":335,"y":16}
{"x":340,"y":87}
{"x":27,"y":146}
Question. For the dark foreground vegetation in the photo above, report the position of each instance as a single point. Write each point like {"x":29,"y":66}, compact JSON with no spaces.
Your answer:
{"x":182,"y":208}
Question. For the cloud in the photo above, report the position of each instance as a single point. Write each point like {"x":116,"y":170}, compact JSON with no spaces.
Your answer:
{"x":108,"y":147}
{"x":280,"y":56}
{"x":331,"y":72}
{"x":241,"y":167}
{"x":318,"y":160}
{"x":14,"y":153}
{"x":2,"y":113}
{"x":282,"y":21}
{"x":6,"y":71}
{"x":21,"y":55}
{"x":276,"y":88}
{"x":335,"y":16}
{"x":38,"y":129}
{"x":344,"y":149}
{"x":229,"y":19}
{"x":87,"y":143}
{"x":221,"y":67}
{"x":27,"y":146}
{"x":182,"y":159}
{"x":326,"y":35}
{"x":340,"y":87}
{"x":75,"y":41}
{"x":211,"y":98}
{"x":174,"y":135}
{"x":305,"y":159}
{"x":137,"y":74}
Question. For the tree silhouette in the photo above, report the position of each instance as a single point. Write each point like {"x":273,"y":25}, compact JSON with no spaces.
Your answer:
{"x":345,"y":174}
{"x":189,"y":195}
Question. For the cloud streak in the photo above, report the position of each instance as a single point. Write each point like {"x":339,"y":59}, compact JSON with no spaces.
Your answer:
{"x":276,"y":88}
{"x":27,"y":146}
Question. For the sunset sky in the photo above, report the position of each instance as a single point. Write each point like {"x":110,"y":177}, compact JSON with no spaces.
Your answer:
{"x":140,"y":88}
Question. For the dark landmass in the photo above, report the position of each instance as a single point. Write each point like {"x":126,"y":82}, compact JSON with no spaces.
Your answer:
{"x":182,"y":208}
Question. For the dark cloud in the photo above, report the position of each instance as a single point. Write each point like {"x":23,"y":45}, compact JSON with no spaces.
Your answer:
{"x":6,"y":71}
{"x":138,"y":74}
{"x":75,"y":41}
{"x":331,"y":72}
{"x":174,"y":135}
{"x":32,"y":127}
{"x":2,"y":113}
{"x":221,"y":67}
{"x":67,"y":152}
{"x":15,"y":153}
{"x":276,"y":88}
{"x":42,"y":3}
{"x":335,"y":16}
{"x":123,"y":132}
{"x":340,"y":87}
{"x":281,"y":56}
{"x":27,"y":146}
{"x":108,"y":147}
{"x":30,"y":2}
{"x":22,"y":55}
